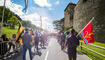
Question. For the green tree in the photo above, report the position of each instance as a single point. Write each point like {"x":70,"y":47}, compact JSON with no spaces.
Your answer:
{"x":57,"y":24}
{"x":33,"y":26}
{"x":13,"y":20}
{"x":7,"y":14}
{"x":26,"y":23}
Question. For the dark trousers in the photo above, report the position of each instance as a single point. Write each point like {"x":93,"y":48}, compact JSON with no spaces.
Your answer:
{"x":24,"y":52}
{"x":72,"y":57}
{"x":36,"y":45}
{"x":72,"y":54}
{"x":62,"y":45}
{"x":42,"y":43}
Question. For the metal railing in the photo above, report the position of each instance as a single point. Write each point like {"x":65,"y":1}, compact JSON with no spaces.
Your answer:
{"x":91,"y":49}
{"x":5,"y":49}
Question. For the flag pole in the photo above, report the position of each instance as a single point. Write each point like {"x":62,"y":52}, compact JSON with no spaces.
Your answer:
{"x":3,"y":16}
{"x":20,"y":22}
{"x":26,"y":5}
{"x":41,"y":21}
{"x":85,"y":26}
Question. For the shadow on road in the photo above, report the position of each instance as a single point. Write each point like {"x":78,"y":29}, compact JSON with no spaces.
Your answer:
{"x":16,"y":55}
{"x":36,"y":53}
{"x":79,"y":53}
{"x":43,"y":47}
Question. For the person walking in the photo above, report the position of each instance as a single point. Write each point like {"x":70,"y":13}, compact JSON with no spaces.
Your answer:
{"x":62,"y":40}
{"x":12,"y":42}
{"x":27,"y":44}
{"x":72,"y":43}
{"x":36,"y":40}
{"x":42,"y":39}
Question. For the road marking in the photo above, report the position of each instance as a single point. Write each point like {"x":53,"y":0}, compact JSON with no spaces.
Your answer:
{"x":46,"y":55}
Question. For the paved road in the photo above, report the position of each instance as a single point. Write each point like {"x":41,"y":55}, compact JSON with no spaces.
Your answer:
{"x":52,"y":52}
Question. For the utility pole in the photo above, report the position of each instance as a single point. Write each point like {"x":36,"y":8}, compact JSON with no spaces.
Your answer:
{"x":41,"y":21}
{"x":3,"y":16}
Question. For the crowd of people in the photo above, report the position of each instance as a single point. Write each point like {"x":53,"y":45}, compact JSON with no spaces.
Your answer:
{"x":29,"y":39}
{"x":67,"y":40}
{"x":70,"y":41}
{"x":35,"y":39}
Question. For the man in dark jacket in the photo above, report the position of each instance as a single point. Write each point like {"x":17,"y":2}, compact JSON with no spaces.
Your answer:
{"x":72,"y":43}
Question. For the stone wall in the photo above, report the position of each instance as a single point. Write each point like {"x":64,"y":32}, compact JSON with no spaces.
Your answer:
{"x":69,"y":13}
{"x":62,"y":23}
{"x":84,"y":11}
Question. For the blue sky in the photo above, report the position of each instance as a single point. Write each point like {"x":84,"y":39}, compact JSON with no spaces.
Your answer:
{"x":49,"y":10}
{"x":55,"y":11}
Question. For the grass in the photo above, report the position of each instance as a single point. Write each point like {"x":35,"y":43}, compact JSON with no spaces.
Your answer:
{"x":92,"y":55}
{"x":9,"y":32}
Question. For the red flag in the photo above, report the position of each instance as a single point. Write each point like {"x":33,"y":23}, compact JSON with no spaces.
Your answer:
{"x":87,"y":34}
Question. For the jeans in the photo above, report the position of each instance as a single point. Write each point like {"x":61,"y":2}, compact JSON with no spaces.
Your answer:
{"x":24,"y":52}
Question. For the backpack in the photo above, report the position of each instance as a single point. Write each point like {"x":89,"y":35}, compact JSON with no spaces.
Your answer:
{"x":75,"y":40}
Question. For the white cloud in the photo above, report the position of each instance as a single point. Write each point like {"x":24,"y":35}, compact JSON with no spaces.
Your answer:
{"x":57,"y":2}
{"x":31,"y":17}
{"x":17,"y":9}
{"x":43,"y":3}
{"x":34,"y":17}
{"x":50,"y":9}
{"x":1,"y":2}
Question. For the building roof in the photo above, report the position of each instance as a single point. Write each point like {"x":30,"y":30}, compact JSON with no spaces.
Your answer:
{"x":72,"y":4}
